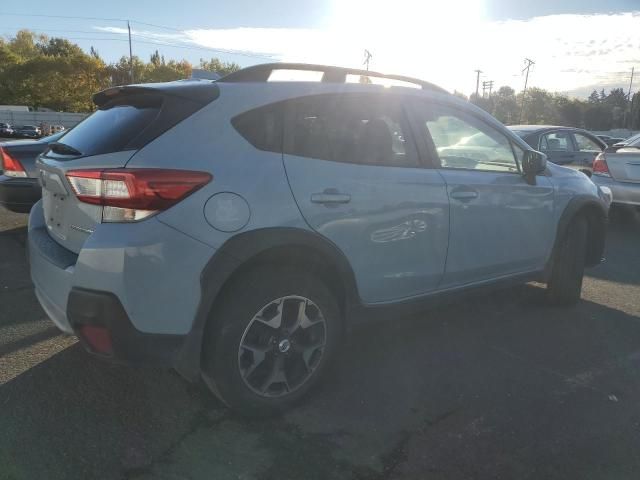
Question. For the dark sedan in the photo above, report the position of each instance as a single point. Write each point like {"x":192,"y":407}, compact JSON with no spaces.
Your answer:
{"x":28,"y":131}
{"x":19,"y":187}
{"x":572,"y":147}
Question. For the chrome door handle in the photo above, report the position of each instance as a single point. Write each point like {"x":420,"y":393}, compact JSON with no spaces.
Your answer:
{"x":330,"y":195}
{"x":464,"y":195}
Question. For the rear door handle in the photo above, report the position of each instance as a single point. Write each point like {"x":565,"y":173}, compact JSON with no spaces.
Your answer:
{"x":464,"y":195}
{"x":329,"y":196}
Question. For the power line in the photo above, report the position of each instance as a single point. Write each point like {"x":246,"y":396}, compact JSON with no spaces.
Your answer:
{"x":160,"y":42}
{"x":78,"y":17}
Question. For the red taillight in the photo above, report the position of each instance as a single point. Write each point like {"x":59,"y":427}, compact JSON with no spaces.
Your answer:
{"x":134,"y":194}
{"x":600,"y":166}
{"x":11,"y":166}
{"x":97,"y":338}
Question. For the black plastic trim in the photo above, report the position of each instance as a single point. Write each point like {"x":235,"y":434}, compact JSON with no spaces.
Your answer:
{"x":130,"y":346}
{"x":235,"y":253}
{"x":597,"y":231}
{"x":51,"y":250}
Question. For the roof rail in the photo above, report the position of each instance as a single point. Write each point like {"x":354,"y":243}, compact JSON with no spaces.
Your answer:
{"x":261,"y":73}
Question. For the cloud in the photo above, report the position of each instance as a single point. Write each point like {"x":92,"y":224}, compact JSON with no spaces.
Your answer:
{"x":572,"y":52}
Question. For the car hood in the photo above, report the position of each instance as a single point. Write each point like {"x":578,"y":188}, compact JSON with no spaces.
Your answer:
{"x":563,"y":172}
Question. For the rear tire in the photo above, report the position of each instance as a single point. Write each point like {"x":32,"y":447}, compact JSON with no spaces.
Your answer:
{"x":565,"y":284}
{"x":271,"y":325}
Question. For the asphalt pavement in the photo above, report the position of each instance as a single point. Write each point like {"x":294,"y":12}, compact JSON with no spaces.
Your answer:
{"x":495,"y":386}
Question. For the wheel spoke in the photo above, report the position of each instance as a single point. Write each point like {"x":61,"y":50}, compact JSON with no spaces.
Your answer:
{"x":274,"y":322}
{"x":277,"y":375}
{"x":302,"y":319}
{"x":307,"y":351}
{"x":259,"y":354}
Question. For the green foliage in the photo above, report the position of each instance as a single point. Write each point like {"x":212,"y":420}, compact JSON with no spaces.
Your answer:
{"x":39,"y":71}
{"x":215,"y":65}
{"x":601,"y":111}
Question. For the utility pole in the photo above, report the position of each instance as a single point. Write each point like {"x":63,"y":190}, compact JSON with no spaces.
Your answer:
{"x":130,"y":52}
{"x":367,"y":58}
{"x":630,"y":121}
{"x":487,"y":85}
{"x":526,"y":80}
{"x":478,"y":72}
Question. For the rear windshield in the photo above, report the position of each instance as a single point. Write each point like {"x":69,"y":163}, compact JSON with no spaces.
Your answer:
{"x":113,"y":126}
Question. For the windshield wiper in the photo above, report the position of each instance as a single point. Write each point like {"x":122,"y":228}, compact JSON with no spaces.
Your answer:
{"x":63,"y":149}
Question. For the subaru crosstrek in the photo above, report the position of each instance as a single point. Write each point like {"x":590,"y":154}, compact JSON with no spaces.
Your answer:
{"x":235,"y":229}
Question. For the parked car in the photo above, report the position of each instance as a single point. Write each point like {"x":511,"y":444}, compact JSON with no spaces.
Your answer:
{"x":29,"y":131}
{"x":619,"y":169}
{"x":19,"y":187}
{"x":6,"y":130}
{"x":571,"y":147}
{"x":236,"y":229}
{"x":609,"y":140}
{"x":628,"y":141}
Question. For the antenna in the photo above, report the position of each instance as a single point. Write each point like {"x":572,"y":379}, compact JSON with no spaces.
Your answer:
{"x":367,"y":58}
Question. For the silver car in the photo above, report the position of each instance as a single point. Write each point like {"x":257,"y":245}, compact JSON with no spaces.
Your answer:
{"x":620,"y":171}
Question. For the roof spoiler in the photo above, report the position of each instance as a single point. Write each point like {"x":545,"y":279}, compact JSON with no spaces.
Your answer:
{"x":199,"y":91}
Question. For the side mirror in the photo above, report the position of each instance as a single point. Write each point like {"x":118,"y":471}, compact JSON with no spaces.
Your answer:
{"x":533,"y":163}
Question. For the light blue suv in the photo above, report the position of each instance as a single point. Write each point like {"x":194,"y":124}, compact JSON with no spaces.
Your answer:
{"x":234,"y":230}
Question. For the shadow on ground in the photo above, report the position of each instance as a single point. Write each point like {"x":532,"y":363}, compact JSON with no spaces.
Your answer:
{"x":499,"y":385}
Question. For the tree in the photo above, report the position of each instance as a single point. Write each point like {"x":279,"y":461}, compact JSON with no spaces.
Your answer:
{"x":221,"y":68}
{"x":505,"y":105}
{"x":60,"y":47}
{"x":594,"y":97}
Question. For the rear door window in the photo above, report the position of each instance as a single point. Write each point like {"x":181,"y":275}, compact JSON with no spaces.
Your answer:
{"x":113,"y":127}
{"x":556,"y":142}
{"x":359,"y":129}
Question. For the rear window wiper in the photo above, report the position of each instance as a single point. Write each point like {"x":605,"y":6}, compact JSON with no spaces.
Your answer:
{"x":64,"y":149}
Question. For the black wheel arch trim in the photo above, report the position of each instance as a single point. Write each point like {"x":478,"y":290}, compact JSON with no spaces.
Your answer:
{"x":597,"y":228}
{"x":235,"y":253}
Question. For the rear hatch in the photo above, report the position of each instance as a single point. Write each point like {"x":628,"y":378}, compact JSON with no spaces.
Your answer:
{"x":624,"y":165}
{"x":126,"y":120}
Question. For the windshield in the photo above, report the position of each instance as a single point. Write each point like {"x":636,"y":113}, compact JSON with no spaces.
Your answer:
{"x":521,"y":133}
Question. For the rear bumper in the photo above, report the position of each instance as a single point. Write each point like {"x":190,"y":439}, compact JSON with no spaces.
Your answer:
{"x":127,"y":344}
{"x":19,"y":194}
{"x":624,"y":193}
{"x":141,"y":282}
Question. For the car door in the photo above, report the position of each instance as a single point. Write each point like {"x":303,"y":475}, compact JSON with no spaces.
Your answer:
{"x":558,"y":146}
{"x":587,"y":148}
{"x":499,"y":224}
{"x":355,"y":175}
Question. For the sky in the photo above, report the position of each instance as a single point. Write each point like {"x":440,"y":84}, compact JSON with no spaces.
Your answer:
{"x":577,"y":45}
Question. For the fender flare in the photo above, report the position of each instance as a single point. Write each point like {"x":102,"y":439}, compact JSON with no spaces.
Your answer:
{"x":597,"y":228}
{"x":235,"y":253}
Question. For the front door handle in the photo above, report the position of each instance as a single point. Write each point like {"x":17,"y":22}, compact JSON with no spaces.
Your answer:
{"x":330,"y":196}
{"x":464,"y":195}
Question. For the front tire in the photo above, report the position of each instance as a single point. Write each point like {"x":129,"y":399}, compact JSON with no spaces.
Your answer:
{"x":565,"y":284}
{"x":271,"y":337}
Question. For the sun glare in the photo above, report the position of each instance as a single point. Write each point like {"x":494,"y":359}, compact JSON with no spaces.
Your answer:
{"x":402,"y":17}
